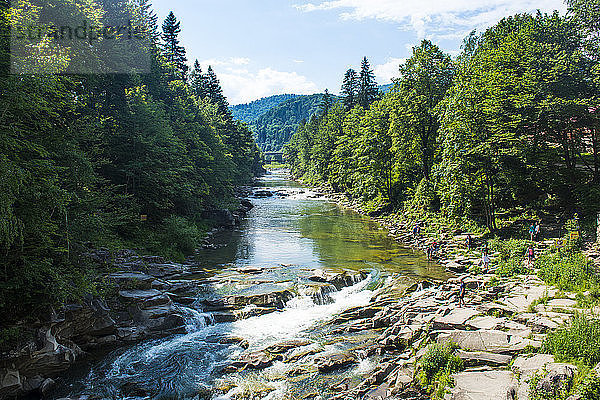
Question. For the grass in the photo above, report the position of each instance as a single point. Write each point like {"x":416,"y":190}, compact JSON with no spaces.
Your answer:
{"x":568,"y":269}
{"x":578,"y":340}
{"x":435,"y":368}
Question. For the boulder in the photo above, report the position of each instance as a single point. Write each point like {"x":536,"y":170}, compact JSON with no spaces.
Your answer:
{"x":483,"y":385}
{"x":487,"y":340}
{"x":478,"y":358}
{"x":275,"y":298}
{"x":339,"y":280}
{"x":455,"y":319}
{"x":283,"y":347}
{"x":333,"y":361}
{"x":220,"y":217}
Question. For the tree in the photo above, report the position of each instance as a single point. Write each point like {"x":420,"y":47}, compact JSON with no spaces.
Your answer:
{"x":350,"y":89}
{"x":367,"y":87}
{"x":214,"y":92}
{"x":173,"y":52}
{"x":325,"y":103}
{"x":197,"y":81}
{"x":425,"y":78}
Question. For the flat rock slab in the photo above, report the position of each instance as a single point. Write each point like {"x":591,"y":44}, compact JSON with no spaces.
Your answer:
{"x":486,"y":340}
{"x":486,"y":322}
{"x":484,"y":385}
{"x":456,"y":319}
{"x":139,"y":295}
{"x":477,"y":358}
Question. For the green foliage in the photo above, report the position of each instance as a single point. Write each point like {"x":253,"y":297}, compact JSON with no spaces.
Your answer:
{"x":568,"y":269}
{"x":589,"y":387}
{"x":536,"y":393}
{"x":250,"y":112}
{"x":83,"y":157}
{"x":510,"y":257}
{"x":577,"y":340}
{"x":436,"y":366}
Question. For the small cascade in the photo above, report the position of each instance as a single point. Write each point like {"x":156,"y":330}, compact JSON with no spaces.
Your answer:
{"x":195,"y":320}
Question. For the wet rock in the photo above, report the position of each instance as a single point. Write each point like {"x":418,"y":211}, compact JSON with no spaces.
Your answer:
{"x":262,"y":193}
{"x":319,"y":292}
{"x":243,"y":343}
{"x":333,"y":361}
{"x":276,"y":298}
{"x":220,"y":217}
{"x":250,"y":270}
{"x":10,"y":382}
{"x":283,"y":347}
{"x":339,"y":280}
{"x":357,"y":313}
{"x":247,"y":204}
{"x":252,"y":311}
{"x":254,"y":360}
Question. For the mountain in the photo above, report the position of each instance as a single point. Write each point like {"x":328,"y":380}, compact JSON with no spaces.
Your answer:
{"x":274,"y":128}
{"x":250,"y":112}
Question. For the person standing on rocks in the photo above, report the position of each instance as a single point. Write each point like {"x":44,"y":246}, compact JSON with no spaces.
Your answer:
{"x":536,"y":232}
{"x":416,"y":230}
{"x":469,"y":242}
{"x":485,"y":260}
{"x":461,"y":293}
{"x":531,"y":232}
{"x":530,"y":255}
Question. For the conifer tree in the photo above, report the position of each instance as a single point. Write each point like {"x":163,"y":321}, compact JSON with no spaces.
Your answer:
{"x":350,"y":89}
{"x":215,"y":92}
{"x":197,"y":81}
{"x":325,"y":103}
{"x":172,"y":50}
{"x":150,"y":20}
{"x":367,"y":87}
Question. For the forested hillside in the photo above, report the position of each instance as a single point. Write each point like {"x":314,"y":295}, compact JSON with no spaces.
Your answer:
{"x":275,"y":128}
{"x":511,"y":125}
{"x":250,"y":112}
{"x":108,"y":160}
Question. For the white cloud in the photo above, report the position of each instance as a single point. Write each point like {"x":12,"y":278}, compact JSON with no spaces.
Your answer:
{"x":241,"y":86}
{"x":385,"y":72}
{"x":432,"y":18}
{"x":228,"y":62}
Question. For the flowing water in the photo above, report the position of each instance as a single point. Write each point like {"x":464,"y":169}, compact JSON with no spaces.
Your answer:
{"x":289,"y":237}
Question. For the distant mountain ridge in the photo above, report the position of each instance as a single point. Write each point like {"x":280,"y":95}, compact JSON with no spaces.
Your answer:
{"x":274,"y":119}
{"x":250,"y":112}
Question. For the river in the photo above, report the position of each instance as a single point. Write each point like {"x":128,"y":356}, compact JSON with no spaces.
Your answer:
{"x":287,"y":237}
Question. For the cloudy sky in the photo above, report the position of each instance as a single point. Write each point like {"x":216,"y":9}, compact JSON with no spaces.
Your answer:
{"x":264,"y":47}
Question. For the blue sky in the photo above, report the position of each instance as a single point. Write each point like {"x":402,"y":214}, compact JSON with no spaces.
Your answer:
{"x":263,"y":47}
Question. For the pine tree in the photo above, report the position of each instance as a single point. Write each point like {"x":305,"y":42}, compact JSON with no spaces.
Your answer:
{"x":325,"y":103}
{"x":367,"y":87}
{"x":215,"y":92}
{"x":173,"y":52}
{"x":350,"y":89}
{"x":149,"y":20}
{"x":197,"y":81}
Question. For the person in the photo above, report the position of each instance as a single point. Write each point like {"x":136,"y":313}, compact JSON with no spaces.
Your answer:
{"x":531,"y":232}
{"x":537,"y":230}
{"x":485,"y":260}
{"x":416,"y":230}
{"x":430,"y":252}
{"x":461,"y":293}
{"x":530,"y":254}
{"x":469,"y":241}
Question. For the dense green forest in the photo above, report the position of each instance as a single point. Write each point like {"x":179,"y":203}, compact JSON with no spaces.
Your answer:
{"x":85,"y":158}
{"x":275,"y":127}
{"x":250,"y":112}
{"x":512,"y":124}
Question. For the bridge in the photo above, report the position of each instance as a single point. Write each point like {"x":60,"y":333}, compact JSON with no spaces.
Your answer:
{"x":276,"y":156}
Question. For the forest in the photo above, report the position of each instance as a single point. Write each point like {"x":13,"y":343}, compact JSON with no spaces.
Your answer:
{"x":108,"y":160}
{"x":510,"y":127}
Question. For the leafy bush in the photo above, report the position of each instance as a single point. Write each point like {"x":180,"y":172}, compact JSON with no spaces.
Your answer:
{"x":435,"y":367}
{"x":511,"y":267}
{"x":578,"y":340}
{"x":567,"y":269}
{"x":589,"y":389}
{"x":182,"y":235}
{"x":510,"y":249}
{"x":536,"y":393}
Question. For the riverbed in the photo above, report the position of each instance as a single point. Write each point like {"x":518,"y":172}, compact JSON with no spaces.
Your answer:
{"x":277,"y":247}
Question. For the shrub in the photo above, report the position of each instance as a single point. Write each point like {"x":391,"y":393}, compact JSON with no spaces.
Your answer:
{"x":435,"y":367}
{"x":567,"y":269}
{"x":510,"y":249}
{"x":181,"y":234}
{"x":511,"y":267}
{"x":589,"y":389}
{"x":577,"y":340}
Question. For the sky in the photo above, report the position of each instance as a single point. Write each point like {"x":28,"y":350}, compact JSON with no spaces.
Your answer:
{"x":260,"y":48}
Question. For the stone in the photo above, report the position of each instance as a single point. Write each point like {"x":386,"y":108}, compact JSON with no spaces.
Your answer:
{"x":283,"y":347}
{"x":333,"y":361}
{"x":487,"y":340}
{"x":139,"y":296}
{"x":559,"y":379}
{"x":132,"y":280}
{"x":482,"y":385}
{"x":456,"y":319}
{"x":275,"y":298}
{"x":562,"y":303}
{"x":221,"y":217}
{"x":339,"y":280}
{"x":10,"y":382}
{"x":478,"y":358}
{"x":485,"y":322}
